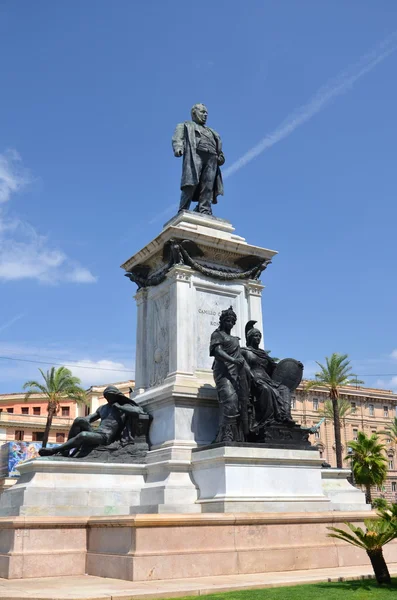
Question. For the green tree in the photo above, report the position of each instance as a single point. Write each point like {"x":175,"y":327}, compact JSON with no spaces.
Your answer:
{"x":390,"y":431}
{"x":368,"y":461}
{"x":389,"y":514}
{"x":334,"y":374}
{"x":58,"y":384}
{"x":344,"y":409}
{"x":378,"y":533}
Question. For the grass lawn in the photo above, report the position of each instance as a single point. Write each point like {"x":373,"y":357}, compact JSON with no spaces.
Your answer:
{"x":347,"y":590}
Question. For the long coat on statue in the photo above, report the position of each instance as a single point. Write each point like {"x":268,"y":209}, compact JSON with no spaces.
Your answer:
{"x":185,"y":138}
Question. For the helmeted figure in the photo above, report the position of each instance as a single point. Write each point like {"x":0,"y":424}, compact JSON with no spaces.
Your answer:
{"x":201,"y":148}
{"x":270,"y":394}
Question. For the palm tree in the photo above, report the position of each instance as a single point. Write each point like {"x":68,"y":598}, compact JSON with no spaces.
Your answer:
{"x":378,"y":533}
{"x":344,"y":409}
{"x":58,"y":385}
{"x":368,"y":462}
{"x":391,"y":431}
{"x":336,"y":373}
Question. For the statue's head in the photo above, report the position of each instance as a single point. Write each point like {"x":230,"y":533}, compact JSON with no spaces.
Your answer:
{"x":113,"y":394}
{"x":199,"y":114}
{"x":228,"y":318}
{"x":252,"y":335}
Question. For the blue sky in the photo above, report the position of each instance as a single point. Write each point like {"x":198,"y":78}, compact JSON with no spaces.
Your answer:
{"x":90,"y":94}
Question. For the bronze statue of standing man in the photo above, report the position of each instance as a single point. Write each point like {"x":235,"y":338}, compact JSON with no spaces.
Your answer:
{"x":201,"y":148}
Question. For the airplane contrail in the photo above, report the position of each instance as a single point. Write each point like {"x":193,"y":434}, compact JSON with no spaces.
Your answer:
{"x":335,"y":87}
{"x":11,"y":322}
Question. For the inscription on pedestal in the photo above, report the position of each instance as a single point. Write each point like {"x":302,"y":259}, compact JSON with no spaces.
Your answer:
{"x":209,"y":306}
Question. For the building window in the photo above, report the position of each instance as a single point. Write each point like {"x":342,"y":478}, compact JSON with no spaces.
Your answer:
{"x":373,"y":431}
{"x":371,"y":410}
{"x":353,"y":407}
{"x":36,"y":410}
{"x":10,"y":410}
{"x":65,"y":411}
{"x":317,"y":435}
{"x":391,"y":465}
{"x":321,"y":453}
{"x":388,"y":440}
{"x":315,"y":403}
{"x":60,"y":438}
{"x":19,"y":435}
{"x":393,"y":486}
{"x":37,"y":436}
{"x":25,"y":410}
{"x":293,"y":402}
{"x":386,"y":412}
{"x":355,"y":434}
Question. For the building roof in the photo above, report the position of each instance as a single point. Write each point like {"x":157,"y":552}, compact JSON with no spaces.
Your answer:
{"x":356,"y":390}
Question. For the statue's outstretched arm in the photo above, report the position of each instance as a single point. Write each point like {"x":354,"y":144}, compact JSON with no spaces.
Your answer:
{"x":93,"y":417}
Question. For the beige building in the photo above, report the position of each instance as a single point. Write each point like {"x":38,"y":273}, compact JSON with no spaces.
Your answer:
{"x":25,"y":421}
{"x":371,"y":411}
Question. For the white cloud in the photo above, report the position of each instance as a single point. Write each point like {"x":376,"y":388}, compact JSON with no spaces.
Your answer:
{"x":13,"y":176}
{"x":91,"y":371}
{"x":80,"y":275}
{"x":394,"y":354}
{"x":100,"y":372}
{"x":25,"y":253}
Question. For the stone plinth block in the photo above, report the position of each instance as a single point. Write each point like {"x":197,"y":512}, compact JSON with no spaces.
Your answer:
{"x":49,"y":487}
{"x":242,"y":478}
{"x":341,"y":492}
{"x":42,"y":547}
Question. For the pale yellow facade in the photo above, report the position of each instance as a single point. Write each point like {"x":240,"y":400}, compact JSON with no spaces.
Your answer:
{"x":371,"y":411}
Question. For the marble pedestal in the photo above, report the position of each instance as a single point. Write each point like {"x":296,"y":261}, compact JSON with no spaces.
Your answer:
{"x":343,"y":495}
{"x":69,"y":488}
{"x":253,"y":479}
{"x":175,"y":319}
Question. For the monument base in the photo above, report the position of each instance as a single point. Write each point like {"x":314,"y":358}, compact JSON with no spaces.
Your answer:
{"x":239,"y":478}
{"x":150,"y":547}
{"x":343,"y":495}
{"x":50,"y":487}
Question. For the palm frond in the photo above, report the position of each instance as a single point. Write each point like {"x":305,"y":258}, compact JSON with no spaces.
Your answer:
{"x":59,"y":384}
{"x":344,"y":407}
{"x":368,"y":460}
{"x":378,"y":533}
